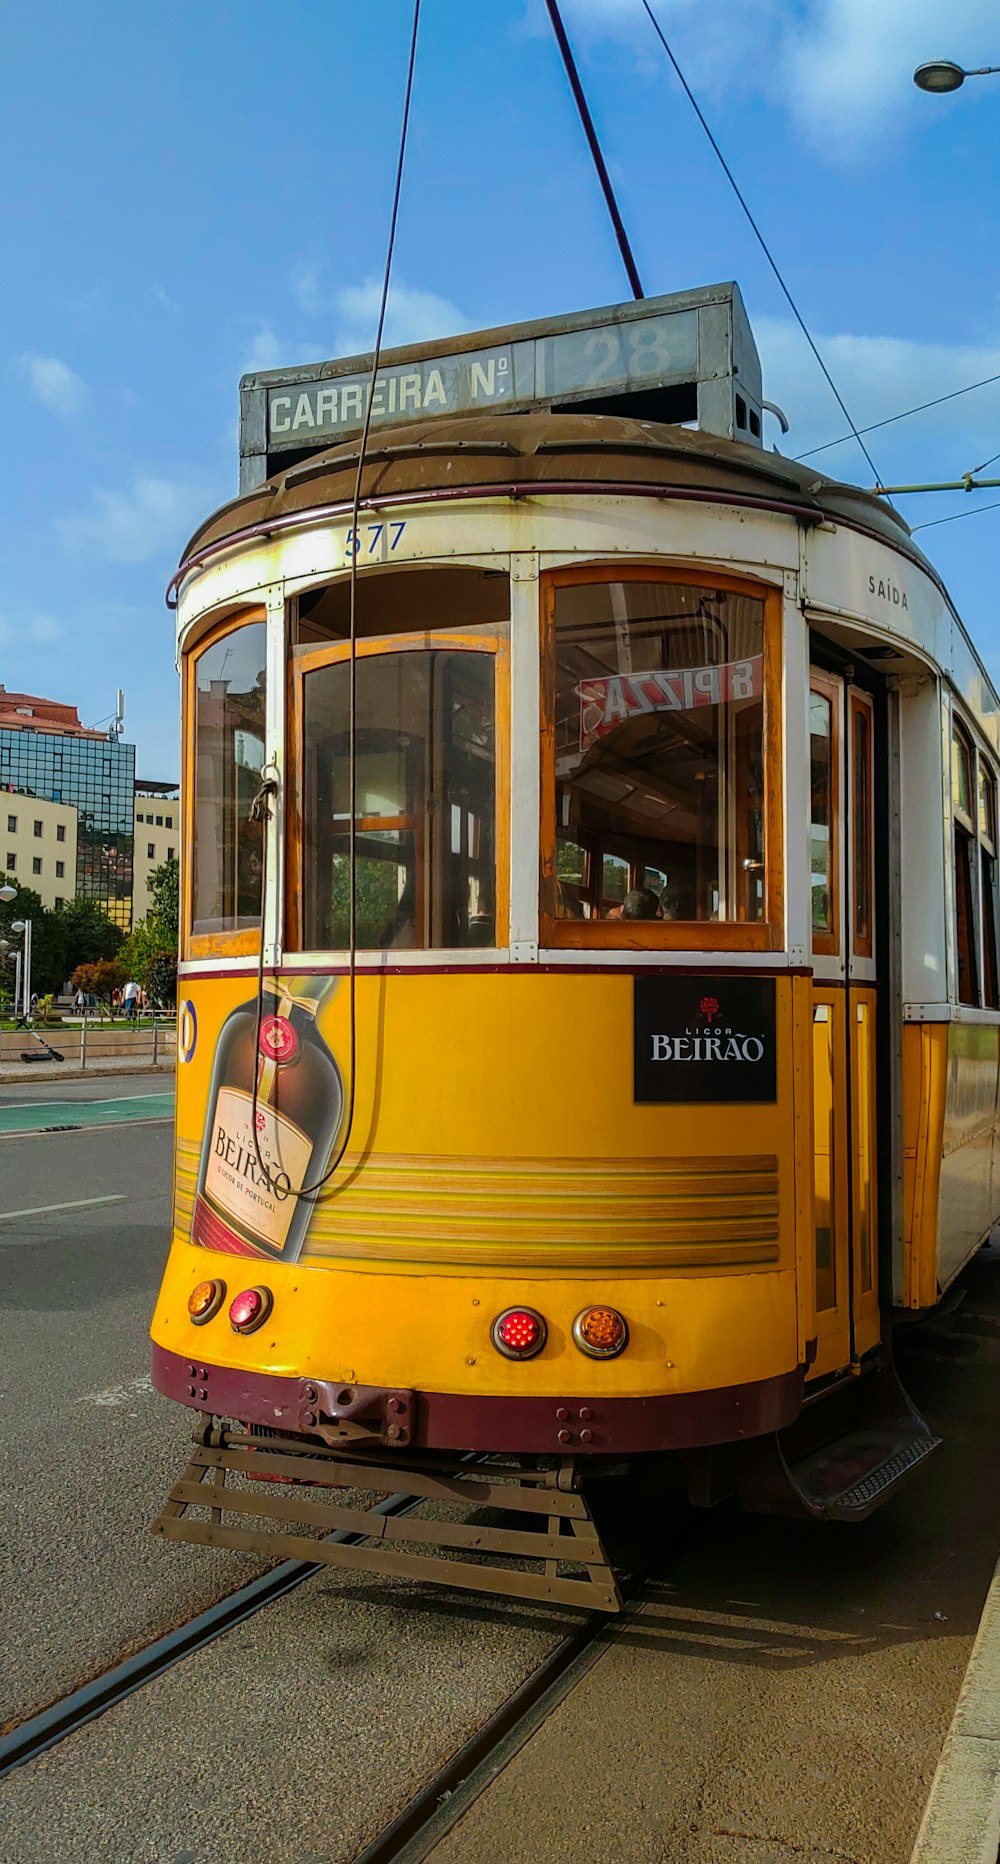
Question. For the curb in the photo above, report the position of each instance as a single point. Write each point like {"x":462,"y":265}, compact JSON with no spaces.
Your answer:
{"x":961,"y":1822}
{"x":61,"y":1071}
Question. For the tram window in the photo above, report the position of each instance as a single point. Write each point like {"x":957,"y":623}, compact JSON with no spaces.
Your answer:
{"x":659,"y":752}
{"x":861,"y":825}
{"x":401,"y":601}
{"x":965,"y":874}
{"x":822,"y":784}
{"x":988,"y":883}
{"x":227,"y":710}
{"x":425,"y":863}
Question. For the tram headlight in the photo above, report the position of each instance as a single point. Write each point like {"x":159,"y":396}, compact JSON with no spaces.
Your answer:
{"x":519,"y":1333}
{"x":250,"y":1309}
{"x":205,"y":1300}
{"x":600,"y":1331}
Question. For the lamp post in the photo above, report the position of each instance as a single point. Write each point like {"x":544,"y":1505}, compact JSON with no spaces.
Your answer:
{"x":22,"y":974}
{"x":941,"y":75}
{"x":8,"y":893}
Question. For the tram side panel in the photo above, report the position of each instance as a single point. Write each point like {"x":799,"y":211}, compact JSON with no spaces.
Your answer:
{"x":951,"y":1069}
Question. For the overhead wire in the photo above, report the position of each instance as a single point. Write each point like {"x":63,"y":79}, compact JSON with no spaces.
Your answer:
{"x":920,"y":408}
{"x":929,"y":523}
{"x":761,"y":241}
{"x":347,"y":1121}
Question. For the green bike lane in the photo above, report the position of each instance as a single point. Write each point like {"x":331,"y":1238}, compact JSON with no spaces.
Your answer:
{"x":62,"y":1115}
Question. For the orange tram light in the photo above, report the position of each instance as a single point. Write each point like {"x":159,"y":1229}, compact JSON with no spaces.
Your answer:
{"x":205,"y":1300}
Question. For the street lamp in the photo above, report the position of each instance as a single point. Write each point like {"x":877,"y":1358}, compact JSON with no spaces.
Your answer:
{"x":23,"y":925}
{"x":941,"y":75}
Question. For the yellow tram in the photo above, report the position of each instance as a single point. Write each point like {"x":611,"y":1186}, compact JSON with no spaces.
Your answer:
{"x":662,"y":1070}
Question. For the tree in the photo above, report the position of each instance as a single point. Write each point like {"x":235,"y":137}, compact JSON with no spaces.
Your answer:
{"x":88,"y":933}
{"x":140,"y":946}
{"x":164,"y":909}
{"x":159,"y":979}
{"x":100,"y":979}
{"x":48,"y":946}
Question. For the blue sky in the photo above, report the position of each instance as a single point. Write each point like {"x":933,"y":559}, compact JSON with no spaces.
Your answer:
{"x":194,"y":190}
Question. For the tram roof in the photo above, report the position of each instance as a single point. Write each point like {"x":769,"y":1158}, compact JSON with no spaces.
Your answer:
{"x":422,"y":459}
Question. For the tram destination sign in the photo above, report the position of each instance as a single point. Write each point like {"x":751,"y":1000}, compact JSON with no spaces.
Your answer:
{"x":668,"y":357}
{"x":704,"y":1039}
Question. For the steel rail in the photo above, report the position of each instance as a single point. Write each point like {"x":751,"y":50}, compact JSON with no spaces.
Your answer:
{"x":73,"y":1711}
{"x":432,"y":1812}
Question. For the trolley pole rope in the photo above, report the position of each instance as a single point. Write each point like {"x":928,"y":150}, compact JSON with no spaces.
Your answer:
{"x":595,"y":149}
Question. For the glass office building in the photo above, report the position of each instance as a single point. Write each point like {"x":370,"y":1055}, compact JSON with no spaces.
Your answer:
{"x":93,"y":773}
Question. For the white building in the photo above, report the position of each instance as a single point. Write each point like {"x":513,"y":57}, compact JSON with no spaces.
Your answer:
{"x":157,"y":838}
{"x":38,"y":846}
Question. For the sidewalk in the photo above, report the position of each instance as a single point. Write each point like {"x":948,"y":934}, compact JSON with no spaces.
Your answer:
{"x":962,"y":1816}
{"x":71,"y":1070}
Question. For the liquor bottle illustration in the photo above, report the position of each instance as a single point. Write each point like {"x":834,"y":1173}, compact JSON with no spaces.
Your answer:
{"x":247,"y":1204}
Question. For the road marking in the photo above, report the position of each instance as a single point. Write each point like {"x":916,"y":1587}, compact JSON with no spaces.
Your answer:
{"x":45,"y":1210}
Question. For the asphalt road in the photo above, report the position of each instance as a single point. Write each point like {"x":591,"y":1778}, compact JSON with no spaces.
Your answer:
{"x":88,"y":1449}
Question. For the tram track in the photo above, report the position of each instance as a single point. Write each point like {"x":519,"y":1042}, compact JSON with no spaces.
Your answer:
{"x":71,"y":1712}
{"x":438,"y":1806}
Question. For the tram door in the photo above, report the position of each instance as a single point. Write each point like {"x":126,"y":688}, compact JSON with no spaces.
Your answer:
{"x":842,"y":749}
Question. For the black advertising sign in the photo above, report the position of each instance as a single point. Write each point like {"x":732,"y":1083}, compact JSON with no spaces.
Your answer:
{"x":704,"y":1039}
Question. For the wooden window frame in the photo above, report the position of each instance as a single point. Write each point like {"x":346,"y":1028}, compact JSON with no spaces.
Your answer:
{"x":205,"y":944}
{"x":332,"y":653}
{"x":968,"y":821}
{"x":989,"y":959}
{"x":862,"y":944}
{"x":827,"y":944}
{"x":766,"y":934}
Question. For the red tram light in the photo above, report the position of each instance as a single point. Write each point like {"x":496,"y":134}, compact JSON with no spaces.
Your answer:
{"x":600,"y":1331}
{"x":519,"y":1333}
{"x":250,"y":1309}
{"x":205,"y":1300}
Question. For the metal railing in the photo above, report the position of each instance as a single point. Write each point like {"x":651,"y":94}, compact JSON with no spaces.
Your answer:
{"x":87,"y":1042}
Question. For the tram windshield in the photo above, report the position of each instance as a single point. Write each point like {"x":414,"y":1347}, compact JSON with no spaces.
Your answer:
{"x":425,"y":860}
{"x":227,"y":698}
{"x":659,"y":752}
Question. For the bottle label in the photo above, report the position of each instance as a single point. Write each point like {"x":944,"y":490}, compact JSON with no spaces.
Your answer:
{"x":261,"y":1202}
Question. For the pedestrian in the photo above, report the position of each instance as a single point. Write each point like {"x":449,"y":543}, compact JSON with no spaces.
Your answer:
{"x":130,"y":998}
{"x":80,"y":1003}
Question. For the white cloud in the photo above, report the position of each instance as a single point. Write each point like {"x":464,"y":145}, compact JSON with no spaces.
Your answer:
{"x":350,"y":312}
{"x":32,"y":631}
{"x":150,"y":518}
{"x":880,"y":376}
{"x":266,"y":350}
{"x":842,"y":69}
{"x":54,"y":383}
{"x":848,"y":67}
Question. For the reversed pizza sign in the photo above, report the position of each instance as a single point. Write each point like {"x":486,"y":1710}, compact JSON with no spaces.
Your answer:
{"x":608,"y":702}
{"x":700,"y":1040}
